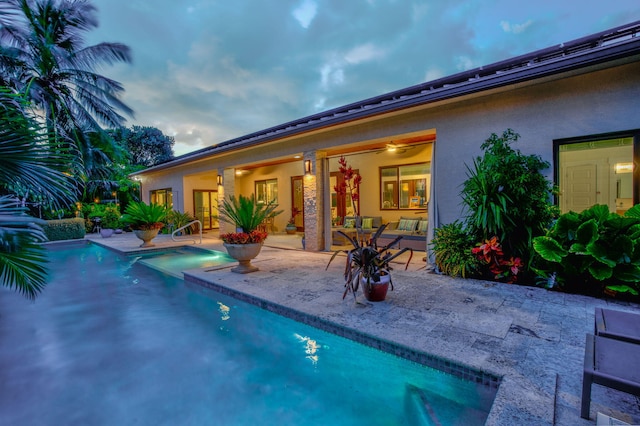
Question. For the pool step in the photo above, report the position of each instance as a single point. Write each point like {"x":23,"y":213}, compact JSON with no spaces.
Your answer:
{"x":423,"y":407}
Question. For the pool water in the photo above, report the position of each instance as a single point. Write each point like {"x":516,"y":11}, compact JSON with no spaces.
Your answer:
{"x":113,"y":342}
{"x":175,"y":261}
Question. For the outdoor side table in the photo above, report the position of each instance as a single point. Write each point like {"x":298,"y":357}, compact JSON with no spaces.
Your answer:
{"x":617,"y":325}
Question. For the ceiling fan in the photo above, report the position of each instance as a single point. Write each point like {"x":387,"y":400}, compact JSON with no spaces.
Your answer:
{"x":395,"y":148}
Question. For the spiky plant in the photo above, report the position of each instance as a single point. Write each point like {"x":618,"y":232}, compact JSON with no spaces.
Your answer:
{"x":246,"y":212}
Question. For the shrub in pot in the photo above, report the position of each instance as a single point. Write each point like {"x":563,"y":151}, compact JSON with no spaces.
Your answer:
{"x":369,"y":266}
{"x":145,"y":220}
{"x":246,"y":214}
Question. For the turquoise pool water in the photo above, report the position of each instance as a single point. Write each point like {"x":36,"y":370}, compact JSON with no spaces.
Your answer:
{"x":114,"y":342}
{"x":175,"y":261}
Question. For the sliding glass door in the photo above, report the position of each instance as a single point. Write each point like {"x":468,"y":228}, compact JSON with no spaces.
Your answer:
{"x":205,"y":204}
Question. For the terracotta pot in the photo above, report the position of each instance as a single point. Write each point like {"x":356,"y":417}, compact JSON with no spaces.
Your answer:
{"x":146,"y":235}
{"x":377,"y":291}
{"x":243,"y":253}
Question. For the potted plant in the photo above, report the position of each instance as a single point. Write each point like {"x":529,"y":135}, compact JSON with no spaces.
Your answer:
{"x":291,"y":227}
{"x":110,"y":221}
{"x":247,"y":215}
{"x":145,"y":220}
{"x":369,"y":266}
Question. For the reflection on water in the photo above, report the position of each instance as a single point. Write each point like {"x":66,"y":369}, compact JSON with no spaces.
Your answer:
{"x":311,"y":347}
{"x":112,"y":341}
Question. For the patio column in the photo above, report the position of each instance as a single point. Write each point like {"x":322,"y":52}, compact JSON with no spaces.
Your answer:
{"x":313,"y":201}
{"x":227,"y":188}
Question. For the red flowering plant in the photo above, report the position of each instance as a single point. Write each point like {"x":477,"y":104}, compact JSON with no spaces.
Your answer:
{"x":350,"y":184}
{"x":243,"y":237}
{"x":490,"y":254}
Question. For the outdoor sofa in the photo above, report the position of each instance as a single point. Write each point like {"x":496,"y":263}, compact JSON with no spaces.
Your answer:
{"x":413,"y":231}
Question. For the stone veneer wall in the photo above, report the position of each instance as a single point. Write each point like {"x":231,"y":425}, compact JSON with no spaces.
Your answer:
{"x":313,"y":213}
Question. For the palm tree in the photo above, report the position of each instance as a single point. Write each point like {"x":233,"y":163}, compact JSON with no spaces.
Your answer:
{"x":43,"y":54}
{"x":26,"y":164}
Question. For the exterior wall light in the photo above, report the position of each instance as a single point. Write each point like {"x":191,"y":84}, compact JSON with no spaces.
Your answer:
{"x":307,"y":167}
{"x":220,"y":180}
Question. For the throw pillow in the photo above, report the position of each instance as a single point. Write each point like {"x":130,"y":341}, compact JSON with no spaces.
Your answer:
{"x":349,"y":223}
{"x":408,"y":225}
{"x":367,"y":223}
{"x":422,"y":226}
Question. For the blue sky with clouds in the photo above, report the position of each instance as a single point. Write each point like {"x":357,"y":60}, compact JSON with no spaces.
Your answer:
{"x":205,"y":71}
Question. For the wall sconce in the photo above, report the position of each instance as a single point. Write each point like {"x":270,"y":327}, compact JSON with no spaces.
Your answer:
{"x":307,"y":167}
{"x":220,"y":180}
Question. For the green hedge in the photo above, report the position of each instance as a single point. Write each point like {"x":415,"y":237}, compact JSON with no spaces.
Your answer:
{"x":64,"y":229}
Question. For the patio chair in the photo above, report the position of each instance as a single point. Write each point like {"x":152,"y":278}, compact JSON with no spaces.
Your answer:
{"x":617,"y":325}
{"x":612,"y":363}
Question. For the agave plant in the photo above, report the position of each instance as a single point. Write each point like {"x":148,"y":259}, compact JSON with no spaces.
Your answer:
{"x":246,"y":212}
{"x":142,"y":216}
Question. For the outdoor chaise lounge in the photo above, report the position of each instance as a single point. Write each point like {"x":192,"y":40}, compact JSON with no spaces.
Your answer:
{"x":612,"y":356}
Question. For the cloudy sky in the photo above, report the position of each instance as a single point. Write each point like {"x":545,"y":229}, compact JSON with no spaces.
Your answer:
{"x":205,"y":71}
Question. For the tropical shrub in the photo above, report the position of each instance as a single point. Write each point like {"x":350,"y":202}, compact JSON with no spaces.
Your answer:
{"x":506,"y":196}
{"x":142,"y":216}
{"x":490,"y":255}
{"x":179,"y":219}
{"x":246,"y":212}
{"x":452,"y":248}
{"x":595,"y":252}
{"x":64,"y":229}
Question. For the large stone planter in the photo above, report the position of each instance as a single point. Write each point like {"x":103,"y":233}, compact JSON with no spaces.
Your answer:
{"x":146,"y":235}
{"x":243,"y":253}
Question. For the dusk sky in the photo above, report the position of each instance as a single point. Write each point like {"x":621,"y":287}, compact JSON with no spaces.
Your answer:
{"x":206,"y":71}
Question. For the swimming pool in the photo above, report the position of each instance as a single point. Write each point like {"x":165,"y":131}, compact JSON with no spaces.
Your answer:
{"x":111,"y":341}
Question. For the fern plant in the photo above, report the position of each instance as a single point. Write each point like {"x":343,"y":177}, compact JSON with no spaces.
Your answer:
{"x":452,"y":247}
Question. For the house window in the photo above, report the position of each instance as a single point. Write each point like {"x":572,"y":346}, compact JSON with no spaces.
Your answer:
{"x":596,"y":171}
{"x":164,"y":197}
{"x":405,"y":187}
{"x":267,"y":191}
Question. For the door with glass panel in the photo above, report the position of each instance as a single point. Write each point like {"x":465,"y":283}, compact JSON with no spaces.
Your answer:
{"x":205,"y":204}
{"x":596,"y":172}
